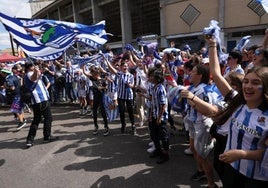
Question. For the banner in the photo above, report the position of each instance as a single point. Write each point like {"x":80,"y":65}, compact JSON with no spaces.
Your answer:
{"x":86,"y":60}
{"x":49,"y":39}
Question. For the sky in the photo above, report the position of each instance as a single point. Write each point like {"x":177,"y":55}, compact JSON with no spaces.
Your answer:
{"x":11,"y":8}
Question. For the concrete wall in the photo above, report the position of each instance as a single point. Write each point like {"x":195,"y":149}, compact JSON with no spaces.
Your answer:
{"x":236,"y":14}
{"x":175,"y":25}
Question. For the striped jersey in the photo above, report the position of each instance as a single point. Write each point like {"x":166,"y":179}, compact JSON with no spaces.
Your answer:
{"x":69,"y":74}
{"x":124,"y":91}
{"x":159,"y":97}
{"x":40,"y":92}
{"x":238,"y":69}
{"x":113,"y":84}
{"x":208,"y":93}
{"x":248,"y":130}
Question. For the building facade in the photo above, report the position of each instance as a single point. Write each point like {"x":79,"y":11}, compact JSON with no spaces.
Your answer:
{"x":181,"y":21}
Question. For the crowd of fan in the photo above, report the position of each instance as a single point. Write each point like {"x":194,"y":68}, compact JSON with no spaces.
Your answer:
{"x":143,"y":83}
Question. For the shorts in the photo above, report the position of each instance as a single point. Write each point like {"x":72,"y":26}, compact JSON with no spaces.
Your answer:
{"x":90,"y":94}
{"x":189,"y":126}
{"x":82,"y":93}
{"x":203,"y":143}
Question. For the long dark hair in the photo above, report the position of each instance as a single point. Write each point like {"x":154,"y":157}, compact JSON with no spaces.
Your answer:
{"x":222,"y":116}
{"x":204,"y":71}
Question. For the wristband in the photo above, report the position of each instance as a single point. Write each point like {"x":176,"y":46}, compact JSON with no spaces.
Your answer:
{"x":192,"y":98}
{"x":212,"y":46}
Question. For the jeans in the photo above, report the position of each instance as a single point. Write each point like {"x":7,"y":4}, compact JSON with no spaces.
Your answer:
{"x":39,"y":110}
{"x":70,"y":92}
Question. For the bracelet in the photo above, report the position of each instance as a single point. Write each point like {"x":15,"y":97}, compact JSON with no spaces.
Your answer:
{"x":192,"y":98}
{"x":211,"y":46}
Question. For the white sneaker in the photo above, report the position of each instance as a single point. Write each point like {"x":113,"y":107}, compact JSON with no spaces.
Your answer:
{"x":151,"y":149}
{"x":151,"y":144}
{"x":89,"y":112}
{"x":84,"y":112}
{"x":188,"y":151}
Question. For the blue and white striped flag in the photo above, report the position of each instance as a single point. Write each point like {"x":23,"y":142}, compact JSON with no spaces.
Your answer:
{"x":243,"y":43}
{"x":49,"y":39}
{"x":112,"y":113}
{"x":85,"y":60}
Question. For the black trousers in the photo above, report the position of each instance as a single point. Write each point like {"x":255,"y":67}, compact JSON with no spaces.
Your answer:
{"x":39,"y":110}
{"x":98,"y":104}
{"x":122,"y":109}
{"x":233,"y":178}
{"x":170,"y":118}
{"x":160,"y":132}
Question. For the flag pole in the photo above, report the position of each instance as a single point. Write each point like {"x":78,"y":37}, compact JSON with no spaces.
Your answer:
{"x":11,"y":43}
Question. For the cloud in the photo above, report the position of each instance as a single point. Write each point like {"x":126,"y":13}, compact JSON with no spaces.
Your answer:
{"x":4,"y":39}
{"x":9,"y":8}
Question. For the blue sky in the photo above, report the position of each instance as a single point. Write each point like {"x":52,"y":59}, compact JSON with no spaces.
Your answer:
{"x":11,"y":8}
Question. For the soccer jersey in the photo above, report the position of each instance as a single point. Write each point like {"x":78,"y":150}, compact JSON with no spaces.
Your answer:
{"x":159,"y":98}
{"x":248,"y":130}
{"x":124,"y":91}
{"x":141,"y":78}
{"x":40,"y":92}
{"x":13,"y":81}
{"x":208,"y":93}
{"x":238,"y":69}
{"x":112,"y":85}
{"x":69,"y":75}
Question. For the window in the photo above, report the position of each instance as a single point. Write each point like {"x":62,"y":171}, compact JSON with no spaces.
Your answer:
{"x":256,"y":7}
{"x":190,"y":14}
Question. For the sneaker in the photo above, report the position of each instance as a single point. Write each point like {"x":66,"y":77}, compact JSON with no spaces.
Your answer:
{"x":198,"y":176}
{"x":96,"y":131}
{"x":29,"y":143}
{"x":84,"y":112}
{"x":151,"y":149}
{"x":134,"y":130}
{"x":151,"y":144}
{"x":50,"y":139}
{"x":89,"y":112}
{"x":21,"y":124}
{"x":106,"y":132}
{"x":188,"y":151}
{"x":163,"y":158}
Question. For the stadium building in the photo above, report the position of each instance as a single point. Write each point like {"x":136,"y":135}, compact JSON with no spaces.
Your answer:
{"x":181,"y":21}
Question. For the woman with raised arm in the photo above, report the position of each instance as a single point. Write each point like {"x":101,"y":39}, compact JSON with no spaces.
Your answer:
{"x":99,"y":87}
{"x":244,"y":120}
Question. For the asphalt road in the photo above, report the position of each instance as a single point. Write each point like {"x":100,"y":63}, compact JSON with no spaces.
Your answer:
{"x":80,"y":160}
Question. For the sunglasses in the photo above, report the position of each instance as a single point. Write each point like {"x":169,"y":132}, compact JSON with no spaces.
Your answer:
{"x":257,"y":52}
